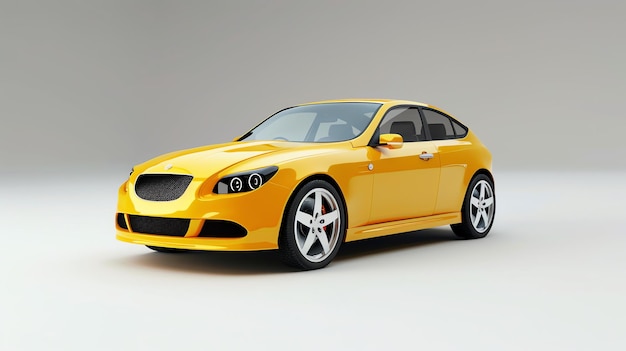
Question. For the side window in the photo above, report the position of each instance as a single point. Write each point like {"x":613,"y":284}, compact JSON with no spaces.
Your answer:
{"x":439,"y":125}
{"x":459,"y":130}
{"x":405,"y":121}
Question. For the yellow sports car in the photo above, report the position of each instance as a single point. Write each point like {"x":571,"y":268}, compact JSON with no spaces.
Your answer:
{"x":311,"y":177}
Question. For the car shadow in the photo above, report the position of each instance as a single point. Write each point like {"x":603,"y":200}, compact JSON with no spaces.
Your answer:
{"x":396,"y":242}
{"x":268,"y":262}
{"x":213,"y":262}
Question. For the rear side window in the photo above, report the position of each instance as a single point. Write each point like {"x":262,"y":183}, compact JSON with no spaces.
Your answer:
{"x":442,"y":127}
{"x":459,"y":129}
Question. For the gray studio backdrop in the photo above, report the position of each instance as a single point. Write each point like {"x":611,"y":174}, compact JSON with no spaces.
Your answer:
{"x":103,"y":85}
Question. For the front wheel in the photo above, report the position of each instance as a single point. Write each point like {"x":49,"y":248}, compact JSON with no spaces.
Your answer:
{"x":479,"y":209}
{"x":314,"y":227}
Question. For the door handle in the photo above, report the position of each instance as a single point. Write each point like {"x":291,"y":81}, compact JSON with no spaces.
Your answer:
{"x":426,"y":156}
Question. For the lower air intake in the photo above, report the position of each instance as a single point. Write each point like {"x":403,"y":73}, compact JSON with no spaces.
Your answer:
{"x":121,"y":222}
{"x":158,"y":225}
{"x":213,"y":228}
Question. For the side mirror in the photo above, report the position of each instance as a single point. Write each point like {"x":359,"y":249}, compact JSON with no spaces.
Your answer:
{"x":392,"y":141}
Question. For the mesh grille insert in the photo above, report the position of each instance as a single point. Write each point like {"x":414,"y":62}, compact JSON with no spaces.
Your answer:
{"x":158,"y":225}
{"x":161,"y":187}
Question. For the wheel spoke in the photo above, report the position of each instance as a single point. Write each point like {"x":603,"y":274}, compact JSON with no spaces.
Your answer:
{"x":477,"y":219}
{"x":488,"y":202}
{"x":310,"y":240}
{"x":317,"y":205}
{"x":321,"y":236}
{"x":304,"y":218}
{"x":330,"y":217}
{"x":482,"y":191}
{"x":474,"y":201}
{"x":485,"y":218}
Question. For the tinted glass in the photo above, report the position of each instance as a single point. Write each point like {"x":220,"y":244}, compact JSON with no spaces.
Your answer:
{"x":439,"y":126}
{"x":460,"y":130}
{"x":316,"y":123}
{"x":405,"y":121}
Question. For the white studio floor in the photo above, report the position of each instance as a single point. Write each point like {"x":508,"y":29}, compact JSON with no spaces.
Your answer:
{"x":550,"y":276}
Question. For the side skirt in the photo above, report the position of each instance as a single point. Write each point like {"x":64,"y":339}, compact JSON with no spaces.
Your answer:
{"x":402,"y":226}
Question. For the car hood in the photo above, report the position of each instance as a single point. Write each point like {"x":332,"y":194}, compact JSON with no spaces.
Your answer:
{"x":208,"y":160}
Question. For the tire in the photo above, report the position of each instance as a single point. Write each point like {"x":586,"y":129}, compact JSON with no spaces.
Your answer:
{"x":314,"y":226}
{"x":479,"y":209}
{"x":166,"y":249}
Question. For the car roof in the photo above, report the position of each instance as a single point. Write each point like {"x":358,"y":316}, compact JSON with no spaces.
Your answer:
{"x":388,"y":102}
{"x":378,"y":101}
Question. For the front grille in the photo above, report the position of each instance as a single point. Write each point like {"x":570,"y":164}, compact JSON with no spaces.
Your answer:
{"x":158,"y":225}
{"x":214,"y":228}
{"x":162,"y":187}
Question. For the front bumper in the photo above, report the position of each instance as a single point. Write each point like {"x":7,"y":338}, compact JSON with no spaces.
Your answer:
{"x":210,"y":244}
{"x":258,"y":213}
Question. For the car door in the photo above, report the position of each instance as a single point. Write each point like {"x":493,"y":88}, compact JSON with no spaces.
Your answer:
{"x":405,"y":179}
{"x":447,"y":136}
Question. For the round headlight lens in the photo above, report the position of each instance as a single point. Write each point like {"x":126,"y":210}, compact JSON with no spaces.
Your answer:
{"x":244,"y":181}
{"x":236,"y":184}
{"x":255,"y":180}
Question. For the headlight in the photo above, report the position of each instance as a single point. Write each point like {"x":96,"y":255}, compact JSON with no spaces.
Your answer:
{"x":244,"y":181}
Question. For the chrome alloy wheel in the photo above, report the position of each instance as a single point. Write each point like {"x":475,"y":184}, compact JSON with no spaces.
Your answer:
{"x":317,"y":224}
{"x":482,"y":206}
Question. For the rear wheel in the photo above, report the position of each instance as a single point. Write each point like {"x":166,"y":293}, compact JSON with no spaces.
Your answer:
{"x":479,"y":209}
{"x":166,"y":249}
{"x":314,"y":227}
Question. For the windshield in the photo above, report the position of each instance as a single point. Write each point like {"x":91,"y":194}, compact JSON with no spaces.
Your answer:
{"x":327,"y":122}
